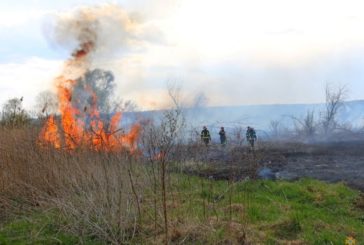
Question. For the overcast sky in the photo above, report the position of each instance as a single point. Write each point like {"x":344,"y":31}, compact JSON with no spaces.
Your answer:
{"x":234,"y":51}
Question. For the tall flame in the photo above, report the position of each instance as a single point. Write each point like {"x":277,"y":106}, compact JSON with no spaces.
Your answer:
{"x":49,"y":133}
{"x":85,"y":128}
{"x":79,"y":128}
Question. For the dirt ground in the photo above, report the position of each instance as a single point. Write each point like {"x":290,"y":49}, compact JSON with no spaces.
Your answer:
{"x":332,"y":162}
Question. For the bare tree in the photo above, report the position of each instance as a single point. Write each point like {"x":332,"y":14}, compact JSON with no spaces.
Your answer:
{"x":334,"y":101}
{"x":274,"y":126}
{"x":307,"y":126}
{"x":97,"y":82}
{"x":13,"y":114}
{"x":123,"y":105}
{"x":46,"y":103}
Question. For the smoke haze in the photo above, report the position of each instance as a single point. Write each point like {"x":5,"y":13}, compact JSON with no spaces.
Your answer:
{"x":235,"y":52}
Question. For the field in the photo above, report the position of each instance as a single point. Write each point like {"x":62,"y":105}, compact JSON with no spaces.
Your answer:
{"x":202,"y":196}
{"x":93,"y":150}
{"x":332,"y":162}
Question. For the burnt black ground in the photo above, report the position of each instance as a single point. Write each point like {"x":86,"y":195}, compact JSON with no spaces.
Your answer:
{"x":341,"y":161}
{"x":332,"y":162}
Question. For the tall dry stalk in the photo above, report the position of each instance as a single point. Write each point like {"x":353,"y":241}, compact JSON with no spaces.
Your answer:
{"x":88,"y":188}
{"x":159,"y":140}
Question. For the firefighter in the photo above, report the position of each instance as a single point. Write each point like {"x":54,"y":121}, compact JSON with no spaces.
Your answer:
{"x":251,"y":136}
{"x":222,"y":136}
{"x":205,"y":135}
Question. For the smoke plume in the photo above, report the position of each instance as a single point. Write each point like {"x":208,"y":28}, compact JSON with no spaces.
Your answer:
{"x":102,"y":29}
{"x":83,"y":93}
{"x":93,"y":33}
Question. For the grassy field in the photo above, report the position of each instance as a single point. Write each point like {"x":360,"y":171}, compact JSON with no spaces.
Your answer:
{"x":50,"y":196}
{"x":205,"y":211}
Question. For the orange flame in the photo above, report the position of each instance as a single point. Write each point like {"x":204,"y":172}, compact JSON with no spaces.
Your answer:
{"x":78,"y":132}
{"x":49,"y":133}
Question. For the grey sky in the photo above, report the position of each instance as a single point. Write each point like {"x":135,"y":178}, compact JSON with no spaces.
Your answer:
{"x":236,"y":52}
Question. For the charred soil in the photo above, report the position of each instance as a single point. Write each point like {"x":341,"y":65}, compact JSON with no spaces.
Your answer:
{"x":332,"y":162}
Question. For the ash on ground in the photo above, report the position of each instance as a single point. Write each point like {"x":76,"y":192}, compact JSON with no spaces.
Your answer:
{"x":332,"y":162}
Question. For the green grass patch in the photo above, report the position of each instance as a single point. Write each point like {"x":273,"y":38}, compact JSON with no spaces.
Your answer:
{"x":38,"y":228}
{"x":307,"y":210}
{"x":203,"y":211}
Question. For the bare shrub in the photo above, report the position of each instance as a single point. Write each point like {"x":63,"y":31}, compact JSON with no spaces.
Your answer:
{"x":306,"y":128}
{"x":159,"y":139}
{"x":274,"y":127}
{"x":334,"y":101}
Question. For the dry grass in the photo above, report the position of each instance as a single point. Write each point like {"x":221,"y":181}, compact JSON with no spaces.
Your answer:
{"x":117,"y":199}
{"x":92,"y":190}
{"x":110,"y":197}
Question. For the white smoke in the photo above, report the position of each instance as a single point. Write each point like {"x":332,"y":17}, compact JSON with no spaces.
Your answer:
{"x":107,"y":27}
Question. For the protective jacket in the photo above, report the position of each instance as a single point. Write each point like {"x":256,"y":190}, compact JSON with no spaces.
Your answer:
{"x":205,"y":134}
{"x":250,"y":134}
{"x":222,"y":136}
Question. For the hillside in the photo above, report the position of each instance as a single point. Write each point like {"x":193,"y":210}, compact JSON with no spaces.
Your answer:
{"x":260,"y":116}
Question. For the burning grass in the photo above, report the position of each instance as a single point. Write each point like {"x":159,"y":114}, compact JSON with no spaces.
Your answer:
{"x":79,"y":103}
